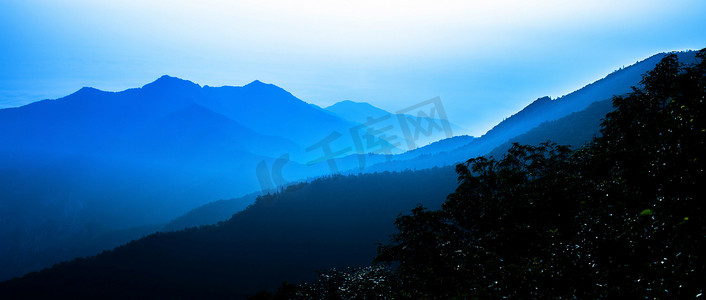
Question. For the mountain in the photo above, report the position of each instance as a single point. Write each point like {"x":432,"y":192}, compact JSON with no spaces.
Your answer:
{"x":287,"y":236}
{"x":93,"y":120}
{"x":356,"y":111}
{"x":102,"y":124}
{"x":329,"y":222}
{"x":437,"y":147}
{"x":617,"y":218}
{"x":539,"y":111}
{"x":361,"y":111}
{"x":94,"y":162}
{"x":210,"y":213}
{"x":576,"y":129}
{"x":270,"y":110}
{"x":545,"y":109}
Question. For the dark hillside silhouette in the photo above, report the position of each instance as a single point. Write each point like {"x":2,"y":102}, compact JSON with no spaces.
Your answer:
{"x":331,"y":222}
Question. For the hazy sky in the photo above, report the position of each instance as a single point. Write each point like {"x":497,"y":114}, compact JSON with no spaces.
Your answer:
{"x":485,"y":59}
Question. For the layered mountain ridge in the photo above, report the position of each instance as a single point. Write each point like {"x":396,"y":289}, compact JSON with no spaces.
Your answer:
{"x":96,"y":163}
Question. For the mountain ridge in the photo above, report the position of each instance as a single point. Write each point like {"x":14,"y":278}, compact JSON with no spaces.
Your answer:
{"x":545,"y":109}
{"x":67,"y":126}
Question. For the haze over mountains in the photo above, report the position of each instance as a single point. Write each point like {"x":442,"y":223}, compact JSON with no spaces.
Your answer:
{"x":96,"y":169}
{"x":94,"y":162}
{"x":334,"y":221}
{"x":410,"y":139}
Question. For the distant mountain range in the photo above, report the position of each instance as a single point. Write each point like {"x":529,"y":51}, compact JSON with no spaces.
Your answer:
{"x":573,"y":120}
{"x":334,"y":221}
{"x":96,"y":162}
{"x":95,"y":169}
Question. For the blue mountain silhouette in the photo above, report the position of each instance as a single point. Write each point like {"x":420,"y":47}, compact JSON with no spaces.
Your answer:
{"x":535,"y":114}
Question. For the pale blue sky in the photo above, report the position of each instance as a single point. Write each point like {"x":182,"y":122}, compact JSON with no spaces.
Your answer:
{"x":485,"y":59}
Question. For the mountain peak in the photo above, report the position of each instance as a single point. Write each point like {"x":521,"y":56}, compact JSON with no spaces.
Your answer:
{"x":85,"y":91}
{"x":166,"y":81}
{"x":257,"y":83}
{"x":351,"y":102}
{"x":88,"y":89}
{"x":353,"y":105}
{"x":356,"y":111}
{"x":258,"y":86}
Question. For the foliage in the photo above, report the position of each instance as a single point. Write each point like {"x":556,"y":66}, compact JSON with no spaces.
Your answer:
{"x":372,"y":282}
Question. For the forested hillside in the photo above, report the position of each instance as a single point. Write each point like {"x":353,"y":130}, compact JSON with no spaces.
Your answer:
{"x":331,"y":222}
